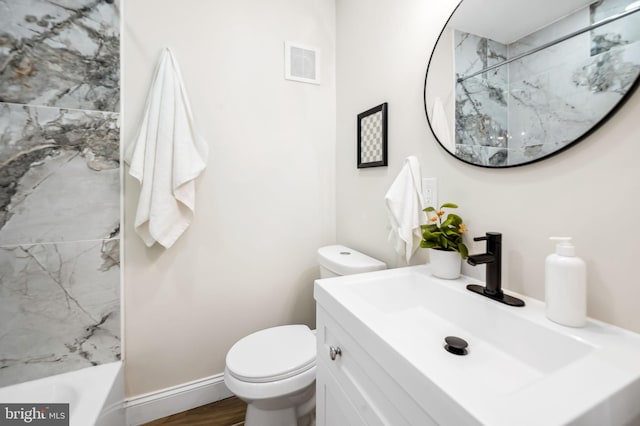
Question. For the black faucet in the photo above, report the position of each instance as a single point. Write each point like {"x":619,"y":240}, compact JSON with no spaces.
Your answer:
{"x":493,"y":259}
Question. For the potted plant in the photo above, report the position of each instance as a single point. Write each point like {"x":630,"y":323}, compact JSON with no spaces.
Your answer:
{"x":443,"y":237}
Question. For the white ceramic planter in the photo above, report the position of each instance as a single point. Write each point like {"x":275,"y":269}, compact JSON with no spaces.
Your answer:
{"x":445,"y":264}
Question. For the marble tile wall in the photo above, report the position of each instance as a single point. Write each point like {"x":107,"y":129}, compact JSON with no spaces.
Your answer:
{"x":59,"y":187}
{"x":537,"y":105}
{"x":552,"y":103}
{"x":481,"y":101}
{"x":62,"y":53}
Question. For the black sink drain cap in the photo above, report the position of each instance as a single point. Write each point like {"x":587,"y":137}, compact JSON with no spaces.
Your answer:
{"x":456,"y":345}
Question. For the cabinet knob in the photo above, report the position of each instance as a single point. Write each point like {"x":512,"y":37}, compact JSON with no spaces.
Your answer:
{"x":334,"y":352}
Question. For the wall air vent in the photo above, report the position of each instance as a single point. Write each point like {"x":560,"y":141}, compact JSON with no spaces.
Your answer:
{"x":301,"y":63}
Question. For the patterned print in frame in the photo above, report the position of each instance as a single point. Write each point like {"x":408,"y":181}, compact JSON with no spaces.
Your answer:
{"x":372,"y":137}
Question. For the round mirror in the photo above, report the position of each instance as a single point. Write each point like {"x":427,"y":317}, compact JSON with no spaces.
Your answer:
{"x":511,"y":82}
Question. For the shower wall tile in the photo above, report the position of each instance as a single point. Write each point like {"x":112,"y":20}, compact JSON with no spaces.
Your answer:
{"x":63,"y":53}
{"x":59,"y":308}
{"x":59,"y":175}
{"x":617,"y":33}
{"x":481,"y":101}
{"x":59,"y":187}
{"x":552,"y":103}
{"x":538,"y":104}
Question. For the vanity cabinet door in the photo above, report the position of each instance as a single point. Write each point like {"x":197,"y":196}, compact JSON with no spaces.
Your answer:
{"x":352,"y":388}
{"x":333,"y":407}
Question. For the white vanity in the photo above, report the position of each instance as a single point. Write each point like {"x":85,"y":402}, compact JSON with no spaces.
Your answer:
{"x":381,"y":358}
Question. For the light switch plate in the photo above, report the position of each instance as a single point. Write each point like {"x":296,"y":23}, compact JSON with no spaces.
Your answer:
{"x":430,"y":192}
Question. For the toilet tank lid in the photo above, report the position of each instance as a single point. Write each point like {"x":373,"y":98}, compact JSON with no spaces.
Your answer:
{"x":345,"y":261}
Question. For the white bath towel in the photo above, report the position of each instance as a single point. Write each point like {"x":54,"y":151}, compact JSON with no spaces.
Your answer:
{"x":441,"y":125}
{"x":404,"y":207}
{"x":166,"y":158}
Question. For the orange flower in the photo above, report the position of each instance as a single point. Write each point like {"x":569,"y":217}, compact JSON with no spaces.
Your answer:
{"x":463,"y":228}
{"x":440,"y":212}
{"x":433,"y":218}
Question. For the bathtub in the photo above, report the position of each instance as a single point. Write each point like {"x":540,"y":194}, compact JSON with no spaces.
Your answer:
{"x":95,"y":394}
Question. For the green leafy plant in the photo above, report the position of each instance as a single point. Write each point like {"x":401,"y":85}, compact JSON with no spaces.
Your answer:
{"x":444,"y":233}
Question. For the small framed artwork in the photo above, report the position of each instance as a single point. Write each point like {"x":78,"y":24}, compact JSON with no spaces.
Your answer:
{"x":372,"y":137}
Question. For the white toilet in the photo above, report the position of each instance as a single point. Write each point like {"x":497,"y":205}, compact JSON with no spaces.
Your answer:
{"x":274,"y":370}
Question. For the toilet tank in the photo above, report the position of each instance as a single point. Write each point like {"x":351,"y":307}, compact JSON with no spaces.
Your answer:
{"x":339,"y":260}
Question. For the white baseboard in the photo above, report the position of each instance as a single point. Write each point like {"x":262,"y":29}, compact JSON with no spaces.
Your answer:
{"x":176,"y":399}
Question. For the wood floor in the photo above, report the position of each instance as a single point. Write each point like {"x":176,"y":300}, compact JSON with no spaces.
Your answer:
{"x":227,"y":412}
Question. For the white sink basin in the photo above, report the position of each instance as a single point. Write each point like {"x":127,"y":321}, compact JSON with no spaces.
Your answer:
{"x":521,"y":369}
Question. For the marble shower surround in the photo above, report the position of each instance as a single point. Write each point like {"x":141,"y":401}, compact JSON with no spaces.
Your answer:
{"x":59,"y":175}
{"x":61,"y":53}
{"x":59,"y":187}
{"x":481,"y":102}
{"x":541,"y":104}
{"x":59,"y":308}
{"x":552,"y":104}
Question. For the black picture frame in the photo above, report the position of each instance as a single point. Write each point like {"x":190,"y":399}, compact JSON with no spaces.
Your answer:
{"x":372,"y":137}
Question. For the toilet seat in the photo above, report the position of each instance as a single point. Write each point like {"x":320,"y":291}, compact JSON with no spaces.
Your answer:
{"x":273,"y":354}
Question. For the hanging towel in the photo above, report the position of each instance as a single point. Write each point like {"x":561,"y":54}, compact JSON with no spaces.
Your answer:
{"x":441,"y":126}
{"x":404,"y":206}
{"x":166,"y":158}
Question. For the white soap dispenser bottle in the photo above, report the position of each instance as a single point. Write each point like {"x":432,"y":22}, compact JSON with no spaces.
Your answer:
{"x":566,"y":285}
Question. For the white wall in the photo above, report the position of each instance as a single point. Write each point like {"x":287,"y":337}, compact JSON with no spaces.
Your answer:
{"x":590,"y":192}
{"x":270,"y":194}
{"x":267,"y":199}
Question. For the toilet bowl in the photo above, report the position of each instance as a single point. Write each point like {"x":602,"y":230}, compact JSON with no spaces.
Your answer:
{"x":274,"y":370}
